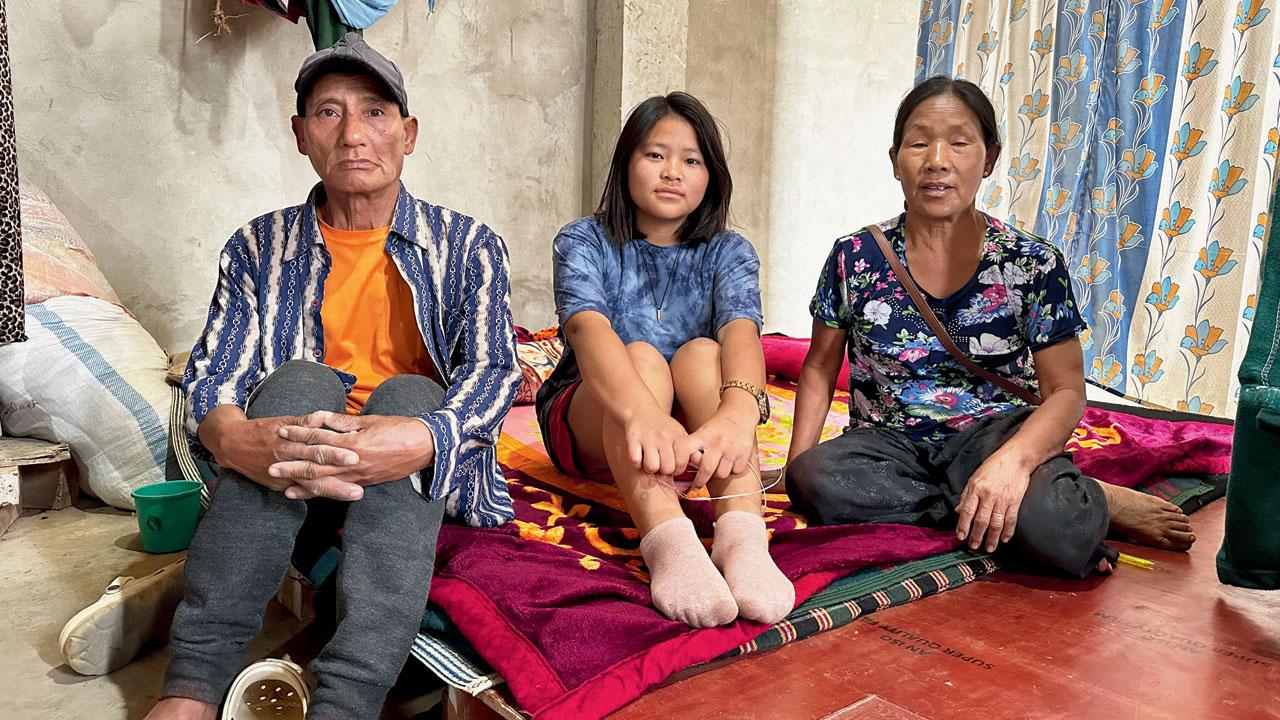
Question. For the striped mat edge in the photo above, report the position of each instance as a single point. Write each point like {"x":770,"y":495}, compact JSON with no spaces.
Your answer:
{"x":826,"y":611}
{"x":181,"y":449}
{"x":452,"y":667}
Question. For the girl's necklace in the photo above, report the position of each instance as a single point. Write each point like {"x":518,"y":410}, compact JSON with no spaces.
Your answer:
{"x":652,"y":271}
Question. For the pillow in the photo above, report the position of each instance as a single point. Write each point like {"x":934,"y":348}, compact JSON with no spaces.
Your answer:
{"x":784,"y":356}
{"x":90,"y":376}
{"x":55,"y":261}
{"x":537,"y":354}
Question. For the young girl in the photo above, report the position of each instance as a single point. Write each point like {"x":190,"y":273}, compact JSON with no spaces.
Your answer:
{"x":659,"y":307}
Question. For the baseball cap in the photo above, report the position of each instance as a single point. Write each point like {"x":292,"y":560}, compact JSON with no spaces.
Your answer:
{"x":351,"y":50}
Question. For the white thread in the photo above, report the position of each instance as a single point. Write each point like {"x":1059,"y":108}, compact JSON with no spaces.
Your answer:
{"x":1265,"y":375}
{"x":670,"y":484}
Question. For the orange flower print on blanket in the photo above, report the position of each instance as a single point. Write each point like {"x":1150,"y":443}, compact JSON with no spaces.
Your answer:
{"x":1088,"y":437}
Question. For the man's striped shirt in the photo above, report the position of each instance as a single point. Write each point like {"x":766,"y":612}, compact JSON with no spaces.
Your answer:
{"x":266,"y":312}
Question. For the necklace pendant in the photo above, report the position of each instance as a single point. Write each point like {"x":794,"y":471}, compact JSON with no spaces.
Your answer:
{"x":658,"y":314}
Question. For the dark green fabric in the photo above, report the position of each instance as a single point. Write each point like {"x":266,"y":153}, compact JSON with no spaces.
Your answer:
{"x":868,"y":591}
{"x":873,"y":580}
{"x":1250,"y":554}
{"x":325,"y":24}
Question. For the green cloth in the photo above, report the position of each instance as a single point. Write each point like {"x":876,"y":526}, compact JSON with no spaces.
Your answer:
{"x":325,"y":24}
{"x":868,"y":591}
{"x":1250,"y":554}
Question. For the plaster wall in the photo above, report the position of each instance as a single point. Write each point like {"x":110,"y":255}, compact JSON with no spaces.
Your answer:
{"x":731,"y":70}
{"x":157,"y":145}
{"x":841,"y":68}
{"x":640,"y":51}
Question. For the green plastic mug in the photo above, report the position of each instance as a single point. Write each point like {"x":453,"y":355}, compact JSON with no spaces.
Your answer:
{"x":167,"y":514}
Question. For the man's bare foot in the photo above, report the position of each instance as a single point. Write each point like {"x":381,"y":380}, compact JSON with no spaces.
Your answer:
{"x":1104,"y":566}
{"x":180,"y":708}
{"x":1146,"y":519}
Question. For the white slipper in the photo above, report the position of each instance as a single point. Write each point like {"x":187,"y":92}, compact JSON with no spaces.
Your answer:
{"x":269,"y":689}
{"x":108,"y":634}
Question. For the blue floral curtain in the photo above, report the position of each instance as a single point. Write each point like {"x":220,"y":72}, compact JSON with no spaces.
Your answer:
{"x":1140,"y":136}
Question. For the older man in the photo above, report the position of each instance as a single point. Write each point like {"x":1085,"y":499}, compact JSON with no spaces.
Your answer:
{"x":355,"y":369}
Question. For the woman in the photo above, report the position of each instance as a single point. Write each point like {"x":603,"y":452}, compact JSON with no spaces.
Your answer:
{"x":931,"y":441}
{"x":659,"y":307}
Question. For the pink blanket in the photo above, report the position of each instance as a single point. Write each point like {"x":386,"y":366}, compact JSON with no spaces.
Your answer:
{"x":1130,"y":450}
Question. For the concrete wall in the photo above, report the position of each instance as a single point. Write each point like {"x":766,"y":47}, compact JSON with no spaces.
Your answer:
{"x":842,"y":67}
{"x":731,"y":69}
{"x":158,"y":147}
{"x":640,"y":51}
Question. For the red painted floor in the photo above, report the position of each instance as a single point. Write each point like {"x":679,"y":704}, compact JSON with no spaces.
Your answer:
{"x":1164,"y":643}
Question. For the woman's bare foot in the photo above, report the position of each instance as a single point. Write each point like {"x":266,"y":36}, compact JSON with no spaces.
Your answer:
{"x":180,"y":708}
{"x":1146,"y":519}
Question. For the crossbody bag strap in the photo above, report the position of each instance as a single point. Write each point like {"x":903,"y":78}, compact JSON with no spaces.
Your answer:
{"x":922,"y":305}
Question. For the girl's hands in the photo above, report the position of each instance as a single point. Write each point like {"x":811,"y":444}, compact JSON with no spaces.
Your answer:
{"x":657,"y":443}
{"x":728,"y":444}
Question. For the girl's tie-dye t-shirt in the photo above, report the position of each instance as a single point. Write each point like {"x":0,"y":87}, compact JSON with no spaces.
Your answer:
{"x":694,"y":288}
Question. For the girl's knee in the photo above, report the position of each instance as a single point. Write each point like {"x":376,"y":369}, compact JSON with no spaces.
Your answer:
{"x":699,"y":349}
{"x":646,"y":357}
{"x":697,"y":359}
{"x":653,"y":370}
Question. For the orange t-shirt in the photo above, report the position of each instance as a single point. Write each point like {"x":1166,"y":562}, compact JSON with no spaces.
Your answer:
{"x":370,"y":329}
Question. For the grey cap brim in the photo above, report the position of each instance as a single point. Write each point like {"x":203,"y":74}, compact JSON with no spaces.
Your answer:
{"x":352,"y":52}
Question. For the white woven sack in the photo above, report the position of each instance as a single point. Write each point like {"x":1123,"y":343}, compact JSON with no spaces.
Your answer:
{"x":92,"y":377}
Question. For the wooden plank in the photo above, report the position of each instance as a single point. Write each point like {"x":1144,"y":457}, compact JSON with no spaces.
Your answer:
{"x":10,"y":497}
{"x":491,"y":704}
{"x":49,"y":486}
{"x":873,"y":708}
{"x":47,"y":476}
{"x":30,"y":451}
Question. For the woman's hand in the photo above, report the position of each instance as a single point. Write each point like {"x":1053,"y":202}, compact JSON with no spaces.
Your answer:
{"x":656,"y":442}
{"x":728,"y":444}
{"x":989,"y":504}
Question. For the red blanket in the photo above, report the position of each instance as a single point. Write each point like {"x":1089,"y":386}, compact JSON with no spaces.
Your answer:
{"x":558,"y":600}
{"x":1130,"y":450}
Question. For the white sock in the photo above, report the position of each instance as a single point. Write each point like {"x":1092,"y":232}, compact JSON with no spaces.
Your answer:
{"x":684,"y":583}
{"x":741,"y":551}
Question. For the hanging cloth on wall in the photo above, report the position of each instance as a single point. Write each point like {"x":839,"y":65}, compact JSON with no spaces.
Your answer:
{"x":326,"y":25}
{"x":329,"y":20}
{"x":290,"y":10}
{"x":323,"y":21}
{"x":12,"y":318}
{"x":361,"y":13}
